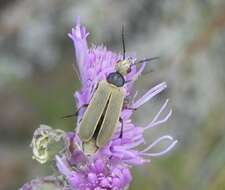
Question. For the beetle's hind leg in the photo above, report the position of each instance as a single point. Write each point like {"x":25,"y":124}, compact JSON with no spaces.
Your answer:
{"x":121,"y":130}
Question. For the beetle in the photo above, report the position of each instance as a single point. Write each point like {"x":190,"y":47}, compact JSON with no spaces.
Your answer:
{"x":102,"y":114}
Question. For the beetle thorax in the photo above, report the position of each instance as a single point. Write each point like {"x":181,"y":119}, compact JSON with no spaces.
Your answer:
{"x":123,"y":66}
{"x":116,"y":79}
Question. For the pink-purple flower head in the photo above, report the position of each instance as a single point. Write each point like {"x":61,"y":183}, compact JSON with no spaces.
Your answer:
{"x":109,"y":167}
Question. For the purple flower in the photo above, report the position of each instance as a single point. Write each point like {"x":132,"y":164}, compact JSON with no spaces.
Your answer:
{"x":109,"y":167}
{"x":99,"y":173}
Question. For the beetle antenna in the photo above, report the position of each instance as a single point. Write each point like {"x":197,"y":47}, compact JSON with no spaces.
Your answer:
{"x":146,"y":60}
{"x":123,"y":43}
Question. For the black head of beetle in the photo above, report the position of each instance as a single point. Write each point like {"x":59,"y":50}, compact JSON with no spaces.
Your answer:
{"x":116,"y":79}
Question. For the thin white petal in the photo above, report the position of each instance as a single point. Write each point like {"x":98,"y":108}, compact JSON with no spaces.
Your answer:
{"x":161,"y":152}
{"x":149,"y":95}
{"x":166,"y":137}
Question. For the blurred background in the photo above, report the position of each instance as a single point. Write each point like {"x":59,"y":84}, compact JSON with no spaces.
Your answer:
{"x":37,"y":81}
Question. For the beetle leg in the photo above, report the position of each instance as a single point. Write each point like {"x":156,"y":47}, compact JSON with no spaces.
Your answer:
{"x":68,"y":116}
{"x":129,"y":108}
{"x":76,"y":113}
{"x":121,"y":131}
{"x":83,"y":106}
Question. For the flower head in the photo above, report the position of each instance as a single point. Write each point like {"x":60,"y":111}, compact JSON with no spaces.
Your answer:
{"x":109,"y":167}
{"x":96,"y":174}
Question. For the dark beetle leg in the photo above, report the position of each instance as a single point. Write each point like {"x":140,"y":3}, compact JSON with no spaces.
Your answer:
{"x":121,"y":131}
{"x":76,"y":113}
{"x":68,"y":116}
{"x":129,"y":108}
{"x":83,"y":106}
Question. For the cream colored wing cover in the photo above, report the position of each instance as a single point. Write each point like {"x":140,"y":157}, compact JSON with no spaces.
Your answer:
{"x":94,"y":111}
{"x":112,"y":115}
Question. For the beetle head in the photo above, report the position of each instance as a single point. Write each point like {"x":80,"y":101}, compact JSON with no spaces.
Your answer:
{"x":123,"y":66}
